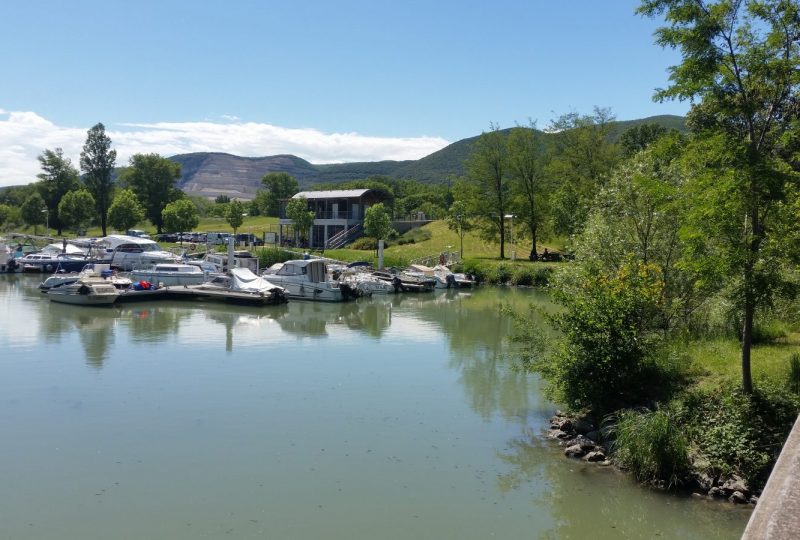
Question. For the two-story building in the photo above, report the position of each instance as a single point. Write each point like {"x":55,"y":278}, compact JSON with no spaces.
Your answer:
{"x":339,"y":216}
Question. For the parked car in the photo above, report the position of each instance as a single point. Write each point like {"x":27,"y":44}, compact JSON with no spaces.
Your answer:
{"x":138,"y":233}
{"x":167,"y":237}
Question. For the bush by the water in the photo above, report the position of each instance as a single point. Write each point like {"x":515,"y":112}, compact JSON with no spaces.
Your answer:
{"x":610,"y":354}
{"x":652,"y":445}
{"x":741,"y":434}
{"x":531,"y":275}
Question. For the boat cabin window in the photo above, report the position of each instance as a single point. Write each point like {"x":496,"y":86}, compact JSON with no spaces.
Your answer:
{"x":129,"y":248}
{"x":167,"y":268}
{"x":291,"y":270}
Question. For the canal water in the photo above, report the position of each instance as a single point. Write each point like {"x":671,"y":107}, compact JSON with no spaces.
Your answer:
{"x":395,"y":417}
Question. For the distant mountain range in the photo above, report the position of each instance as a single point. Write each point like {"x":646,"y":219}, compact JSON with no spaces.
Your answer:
{"x":209,"y":174}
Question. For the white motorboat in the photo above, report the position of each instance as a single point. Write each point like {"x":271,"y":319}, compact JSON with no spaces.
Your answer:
{"x":60,"y":278}
{"x":171,"y":274}
{"x":129,"y":252}
{"x":406,"y":281}
{"x":90,"y":289}
{"x":308,"y":279}
{"x":240,"y":285}
{"x":365,"y":282}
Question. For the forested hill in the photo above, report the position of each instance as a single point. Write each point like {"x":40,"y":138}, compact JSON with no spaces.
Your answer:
{"x":209,"y":174}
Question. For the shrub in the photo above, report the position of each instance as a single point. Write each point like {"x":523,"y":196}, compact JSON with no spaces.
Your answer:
{"x":794,"y":373}
{"x":607,"y":357}
{"x":365,"y":242}
{"x":531,"y":275}
{"x":652,"y":445}
{"x":737,"y":433}
{"x":768,"y":331}
{"x":269,"y":256}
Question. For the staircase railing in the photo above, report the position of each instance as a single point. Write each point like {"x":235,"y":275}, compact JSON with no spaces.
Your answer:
{"x":343,"y":237}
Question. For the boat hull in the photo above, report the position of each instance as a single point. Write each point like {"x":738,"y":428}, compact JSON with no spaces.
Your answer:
{"x":82,"y":299}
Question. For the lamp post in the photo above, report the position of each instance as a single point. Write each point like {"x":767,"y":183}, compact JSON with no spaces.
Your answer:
{"x":513,"y":253}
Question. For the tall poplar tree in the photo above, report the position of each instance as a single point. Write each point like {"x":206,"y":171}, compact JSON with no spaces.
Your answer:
{"x":740,"y":68}
{"x":97,"y":164}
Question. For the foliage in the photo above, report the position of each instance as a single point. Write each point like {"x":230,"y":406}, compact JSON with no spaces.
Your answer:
{"x":794,"y":373}
{"x":739,"y":68}
{"x":460,"y":220}
{"x":606,"y":358}
{"x":302,"y":218}
{"x":180,"y":216}
{"x":638,"y":215}
{"x":280,"y":185}
{"x":153,"y":179}
{"x":486,"y":188}
{"x":365,"y":242}
{"x":125,"y":211}
{"x":33,"y":209}
{"x":57,"y":178}
{"x":527,"y":157}
{"x":97,"y":164}
{"x":582,"y":158}
{"x":222,"y":199}
{"x":531,"y":275}
{"x":269,"y":256}
{"x":652,"y":445}
{"x":76,"y":209}
{"x":5,"y":214}
{"x":235,"y":215}
{"x":377,"y":223}
{"x":639,"y":137}
{"x":414,"y":235}
{"x":740,"y":433}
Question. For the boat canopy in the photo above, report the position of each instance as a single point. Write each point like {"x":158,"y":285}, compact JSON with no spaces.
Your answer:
{"x":243,"y":280}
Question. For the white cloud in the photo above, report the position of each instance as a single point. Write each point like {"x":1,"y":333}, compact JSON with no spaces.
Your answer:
{"x":24,"y":135}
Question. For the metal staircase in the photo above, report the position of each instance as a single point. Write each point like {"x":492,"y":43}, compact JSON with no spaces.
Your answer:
{"x":341,"y":238}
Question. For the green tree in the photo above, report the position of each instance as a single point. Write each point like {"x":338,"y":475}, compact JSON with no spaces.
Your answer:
{"x":280,"y":185}
{"x":377,"y":223}
{"x":97,"y":164}
{"x":5,"y":214}
{"x":180,"y":216}
{"x":76,"y":209}
{"x":739,"y":69}
{"x":33,"y":210}
{"x":302,"y":218}
{"x":582,"y":159}
{"x":526,"y":164}
{"x":459,"y":220}
{"x":487,"y":173}
{"x":153,"y":179}
{"x":125,"y":211}
{"x":640,"y":137}
{"x":235,"y":214}
{"x":222,"y":199}
{"x":58,"y":177}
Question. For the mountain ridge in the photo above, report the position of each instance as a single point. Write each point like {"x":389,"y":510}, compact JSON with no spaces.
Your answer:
{"x":210,"y":174}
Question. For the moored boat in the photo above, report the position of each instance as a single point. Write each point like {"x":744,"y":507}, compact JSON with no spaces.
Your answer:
{"x":170,"y":274}
{"x":240,"y":285}
{"x":308,"y":279}
{"x":90,"y":289}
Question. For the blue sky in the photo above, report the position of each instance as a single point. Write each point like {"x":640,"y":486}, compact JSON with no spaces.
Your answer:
{"x":330,"y":81}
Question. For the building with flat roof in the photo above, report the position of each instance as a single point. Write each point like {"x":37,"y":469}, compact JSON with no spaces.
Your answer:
{"x":339,"y":216}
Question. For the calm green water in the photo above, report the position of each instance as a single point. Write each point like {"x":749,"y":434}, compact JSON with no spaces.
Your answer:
{"x":397,"y":417}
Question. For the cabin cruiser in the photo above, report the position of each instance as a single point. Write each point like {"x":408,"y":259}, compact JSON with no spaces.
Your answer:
{"x":361,"y":279}
{"x":171,"y":274}
{"x":90,"y":289}
{"x":129,"y":252}
{"x":308,"y":279}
